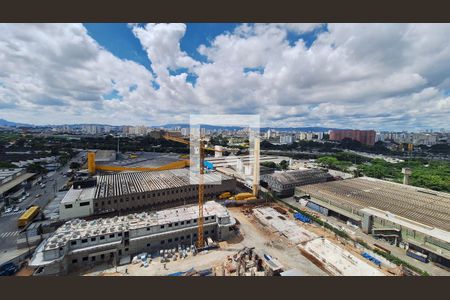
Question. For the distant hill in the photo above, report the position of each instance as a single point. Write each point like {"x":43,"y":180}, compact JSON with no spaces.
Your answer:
{"x":304,"y":129}
{"x":209,"y":127}
{"x":6,"y":123}
{"x":262,"y":129}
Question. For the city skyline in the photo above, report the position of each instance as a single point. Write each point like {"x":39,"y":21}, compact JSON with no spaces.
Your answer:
{"x":363,"y":76}
{"x":18,"y":125}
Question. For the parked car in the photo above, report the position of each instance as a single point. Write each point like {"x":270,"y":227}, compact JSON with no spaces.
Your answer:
{"x":8,"y":210}
{"x":16,"y":209}
{"x":8,"y":269}
{"x":37,"y":195}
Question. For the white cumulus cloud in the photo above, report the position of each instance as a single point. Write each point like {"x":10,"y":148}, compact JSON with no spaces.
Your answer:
{"x":391,"y":76}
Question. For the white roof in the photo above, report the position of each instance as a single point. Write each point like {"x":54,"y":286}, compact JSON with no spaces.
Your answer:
{"x":74,"y":195}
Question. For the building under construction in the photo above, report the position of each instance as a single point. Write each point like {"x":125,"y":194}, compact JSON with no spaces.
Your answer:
{"x":284,"y":183}
{"x":407,"y":215}
{"x":140,"y":190}
{"x":79,"y":244}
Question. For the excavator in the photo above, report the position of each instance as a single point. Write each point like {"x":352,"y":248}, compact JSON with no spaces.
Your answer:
{"x":92,"y":168}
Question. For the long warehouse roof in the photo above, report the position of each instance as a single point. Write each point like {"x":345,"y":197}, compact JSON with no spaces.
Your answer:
{"x":138,"y":182}
{"x":11,"y":184}
{"x":421,"y":205}
{"x":295,"y":176}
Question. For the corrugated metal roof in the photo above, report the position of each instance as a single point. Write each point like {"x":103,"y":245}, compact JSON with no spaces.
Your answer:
{"x":294,"y":176}
{"x":421,"y":205}
{"x":138,"y":182}
{"x":9,"y":185}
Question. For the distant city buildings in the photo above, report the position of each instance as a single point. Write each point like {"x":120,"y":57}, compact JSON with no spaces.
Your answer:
{"x":366,"y":137}
{"x":289,"y":137}
{"x":286,"y":139}
{"x":185,"y":131}
{"x":275,"y":136}
{"x":427,"y":138}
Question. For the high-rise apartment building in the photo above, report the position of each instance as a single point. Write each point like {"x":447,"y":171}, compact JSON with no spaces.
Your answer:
{"x":363,"y":136}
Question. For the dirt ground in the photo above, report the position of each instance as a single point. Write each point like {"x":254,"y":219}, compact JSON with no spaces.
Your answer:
{"x":267,"y":242}
{"x":26,"y":271}
{"x":201,"y":261}
{"x":251,"y":234}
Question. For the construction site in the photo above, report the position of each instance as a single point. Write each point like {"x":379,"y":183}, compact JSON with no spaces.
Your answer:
{"x":266,"y":240}
{"x":404,"y":215}
{"x":167,"y":221}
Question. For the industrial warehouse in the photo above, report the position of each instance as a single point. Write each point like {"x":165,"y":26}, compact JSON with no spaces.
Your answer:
{"x":139,"y":190}
{"x":403,"y":214}
{"x":283,"y":183}
{"x":79,"y":243}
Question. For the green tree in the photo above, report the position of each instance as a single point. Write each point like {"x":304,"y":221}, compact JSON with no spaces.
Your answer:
{"x":284,"y":164}
{"x":36,"y":168}
{"x":328,"y":161}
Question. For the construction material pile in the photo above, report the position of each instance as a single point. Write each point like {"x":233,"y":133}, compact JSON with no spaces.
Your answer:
{"x":244,"y":263}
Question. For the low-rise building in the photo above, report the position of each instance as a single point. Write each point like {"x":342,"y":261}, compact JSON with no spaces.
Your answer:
{"x":13,"y":183}
{"x":140,"y":190}
{"x":400,"y":213}
{"x":283,"y":183}
{"x":79,"y":243}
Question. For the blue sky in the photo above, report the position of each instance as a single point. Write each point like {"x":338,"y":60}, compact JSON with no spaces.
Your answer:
{"x":366,"y":76}
{"x":119,"y":39}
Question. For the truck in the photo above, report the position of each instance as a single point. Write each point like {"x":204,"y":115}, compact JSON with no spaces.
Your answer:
{"x":28,"y":216}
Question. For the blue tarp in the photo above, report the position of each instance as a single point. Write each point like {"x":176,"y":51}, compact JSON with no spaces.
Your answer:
{"x":177,"y":274}
{"x":371,"y":258}
{"x":205,"y":272}
{"x":302,"y":217}
{"x":209,"y":165}
{"x":181,"y":273}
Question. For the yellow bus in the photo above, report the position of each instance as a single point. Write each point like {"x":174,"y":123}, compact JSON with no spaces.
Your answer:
{"x":28,"y":216}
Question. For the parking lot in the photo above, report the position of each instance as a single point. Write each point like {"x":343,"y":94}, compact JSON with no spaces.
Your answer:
{"x":38,"y":195}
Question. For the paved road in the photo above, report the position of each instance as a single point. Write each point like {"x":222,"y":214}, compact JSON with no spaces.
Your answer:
{"x":8,"y":221}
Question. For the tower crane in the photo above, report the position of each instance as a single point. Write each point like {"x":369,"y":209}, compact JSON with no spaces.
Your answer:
{"x":201,"y":186}
{"x":92,"y":167}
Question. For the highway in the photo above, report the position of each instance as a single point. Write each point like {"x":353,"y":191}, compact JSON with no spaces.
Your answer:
{"x":8,"y":221}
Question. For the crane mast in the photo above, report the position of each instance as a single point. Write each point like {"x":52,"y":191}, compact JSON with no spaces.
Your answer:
{"x":201,"y":186}
{"x":181,"y":164}
{"x":201,"y":191}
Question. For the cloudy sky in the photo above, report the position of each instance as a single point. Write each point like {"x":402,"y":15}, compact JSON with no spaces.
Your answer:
{"x":380,"y":76}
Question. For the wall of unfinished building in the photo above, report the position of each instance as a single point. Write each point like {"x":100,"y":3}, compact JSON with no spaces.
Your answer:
{"x":92,"y":256}
{"x":162,"y":198}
